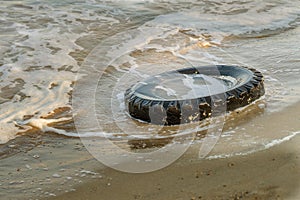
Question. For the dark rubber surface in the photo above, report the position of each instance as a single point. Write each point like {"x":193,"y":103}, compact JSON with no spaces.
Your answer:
{"x":144,"y":105}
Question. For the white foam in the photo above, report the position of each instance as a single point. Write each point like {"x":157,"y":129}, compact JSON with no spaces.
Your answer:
{"x":40,"y":57}
{"x":265,"y":146}
{"x":222,"y":25}
{"x":50,"y":42}
{"x":210,"y":86}
{"x":169,"y":91}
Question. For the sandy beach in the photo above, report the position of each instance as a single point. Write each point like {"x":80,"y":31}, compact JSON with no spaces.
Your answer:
{"x":266,"y":175}
{"x":60,"y":168}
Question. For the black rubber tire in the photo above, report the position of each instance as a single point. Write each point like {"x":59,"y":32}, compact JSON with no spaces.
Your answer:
{"x":172,"y":112}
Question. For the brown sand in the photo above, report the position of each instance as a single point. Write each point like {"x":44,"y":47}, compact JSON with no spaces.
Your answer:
{"x":62,"y":167}
{"x":270,"y":174}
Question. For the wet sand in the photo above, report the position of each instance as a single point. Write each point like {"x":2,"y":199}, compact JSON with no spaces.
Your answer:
{"x":270,"y":174}
{"x":273,"y":173}
{"x":53,"y":167}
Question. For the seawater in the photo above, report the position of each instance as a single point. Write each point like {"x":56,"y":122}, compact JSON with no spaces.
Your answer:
{"x":47,"y":47}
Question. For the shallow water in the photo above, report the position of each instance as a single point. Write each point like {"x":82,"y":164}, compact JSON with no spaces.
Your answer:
{"x":111,"y":45}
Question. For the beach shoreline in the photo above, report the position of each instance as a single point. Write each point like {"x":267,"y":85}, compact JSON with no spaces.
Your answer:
{"x":64,"y":69}
{"x":62,"y":168}
{"x":268,"y":174}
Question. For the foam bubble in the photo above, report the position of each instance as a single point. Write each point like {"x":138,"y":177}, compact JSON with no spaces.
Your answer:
{"x":38,"y":68}
{"x":266,"y":146}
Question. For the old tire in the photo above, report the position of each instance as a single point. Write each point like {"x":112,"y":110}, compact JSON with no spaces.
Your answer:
{"x":144,"y":104}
